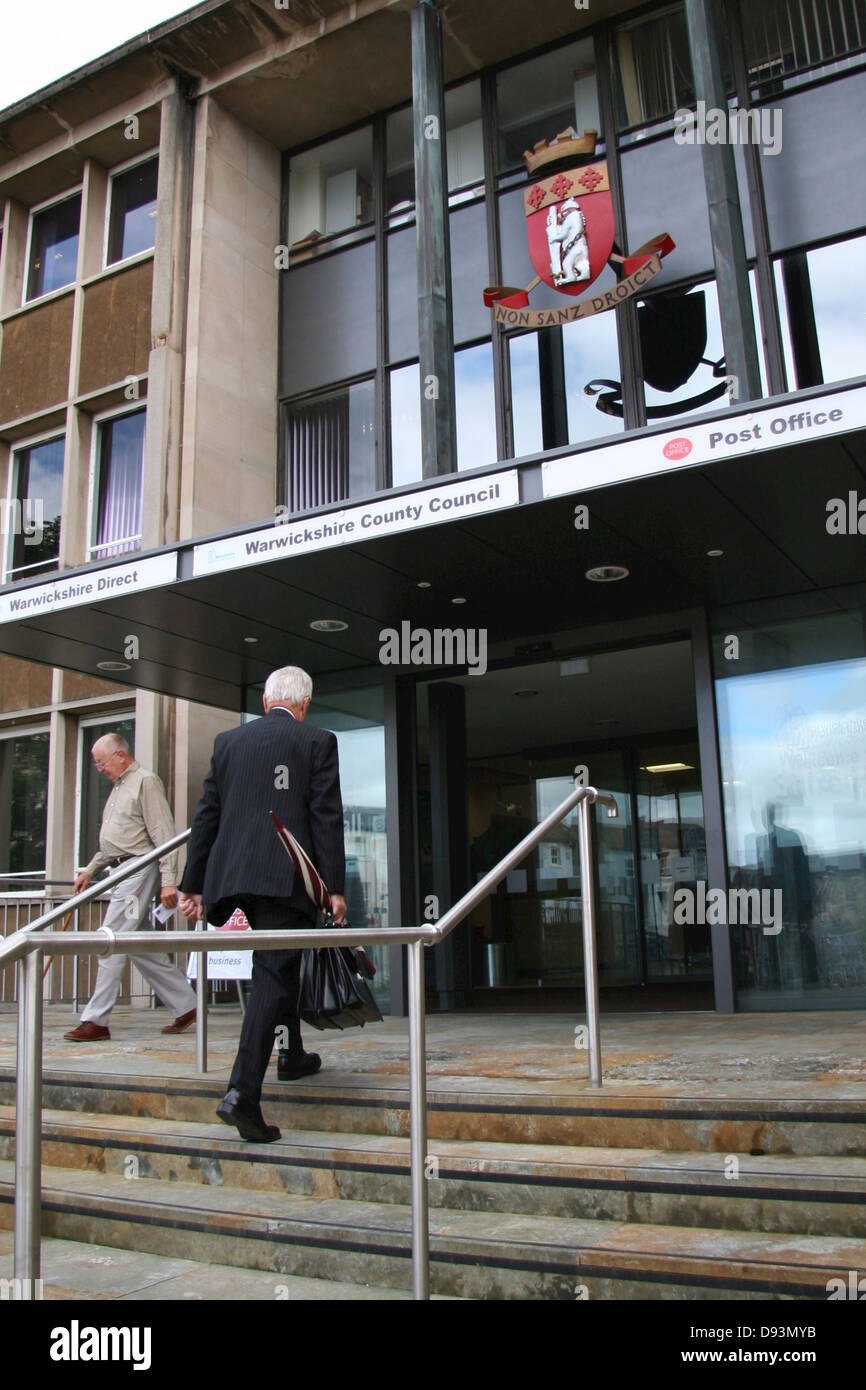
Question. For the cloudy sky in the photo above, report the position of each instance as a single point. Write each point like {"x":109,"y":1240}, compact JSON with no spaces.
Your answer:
{"x":47,"y":39}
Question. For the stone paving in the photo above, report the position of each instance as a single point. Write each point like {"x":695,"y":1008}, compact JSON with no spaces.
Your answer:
{"x":820,"y":1055}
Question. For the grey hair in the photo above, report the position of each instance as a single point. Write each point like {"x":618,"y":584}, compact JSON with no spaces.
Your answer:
{"x":116,"y":742}
{"x":290,"y":685}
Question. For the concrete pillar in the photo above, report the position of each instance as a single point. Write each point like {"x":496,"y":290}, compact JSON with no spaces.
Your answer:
{"x":723,"y":206}
{"x":14,"y":251}
{"x":163,"y":435}
{"x":435,"y":322}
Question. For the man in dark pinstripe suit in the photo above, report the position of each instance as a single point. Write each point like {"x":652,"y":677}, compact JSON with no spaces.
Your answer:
{"x":235,"y":859}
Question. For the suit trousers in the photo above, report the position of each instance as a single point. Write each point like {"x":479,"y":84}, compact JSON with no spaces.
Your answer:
{"x":128,"y":910}
{"x":273,"y":1003}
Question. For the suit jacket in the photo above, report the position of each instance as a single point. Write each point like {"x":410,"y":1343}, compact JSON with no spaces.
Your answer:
{"x":233,"y":848}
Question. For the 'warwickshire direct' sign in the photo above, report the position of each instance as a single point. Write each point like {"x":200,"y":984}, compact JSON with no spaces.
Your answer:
{"x":89,"y":587}
{"x":410,"y":512}
{"x":701,"y":442}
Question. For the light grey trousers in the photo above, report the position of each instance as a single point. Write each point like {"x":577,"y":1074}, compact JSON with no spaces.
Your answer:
{"x":128,"y":910}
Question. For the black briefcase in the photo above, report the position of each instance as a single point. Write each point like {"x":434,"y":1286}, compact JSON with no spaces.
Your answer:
{"x":334,"y":990}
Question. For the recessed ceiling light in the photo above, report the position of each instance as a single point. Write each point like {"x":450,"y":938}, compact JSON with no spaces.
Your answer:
{"x":251,"y":639}
{"x":714,"y":554}
{"x":424,"y":584}
{"x":328,"y":625}
{"x":113,"y":666}
{"x":603,"y":723}
{"x":458,"y":600}
{"x":607,"y":574}
{"x":525,"y":694}
{"x":669,"y":767}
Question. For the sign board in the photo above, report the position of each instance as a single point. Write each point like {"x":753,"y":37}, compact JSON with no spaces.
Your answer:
{"x":410,"y":512}
{"x":699,"y":442}
{"x":225,"y":965}
{"x":90,"y":587}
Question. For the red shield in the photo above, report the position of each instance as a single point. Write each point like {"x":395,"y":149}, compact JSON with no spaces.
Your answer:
{"x":569,"y":223}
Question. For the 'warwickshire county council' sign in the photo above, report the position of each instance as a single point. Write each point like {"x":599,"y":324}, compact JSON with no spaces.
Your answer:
{"x":409,"y":512}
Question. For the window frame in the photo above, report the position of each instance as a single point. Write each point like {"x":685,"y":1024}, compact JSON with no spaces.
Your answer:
{"x":19,"y":447}
{"x":75,"y":192}
{"x":94,"y":480}
{"x":27,"y":731}
{"x":109,"y":204}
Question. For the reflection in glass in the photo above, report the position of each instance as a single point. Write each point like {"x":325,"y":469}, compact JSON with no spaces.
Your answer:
{"x":133,"y":212}
{"x":701,"y":379}
{"x":538,"y":99}
{"x":653,"y":67}
{"x":23,"y":788}
{"x":475,"y":406}
{"x":357,"y":719}
{"x":792,"y":732}
{"x":405,"y":425}
{"x":525,"y":394}
{"x":39,"y":489}
{"x":838,"y":279}
{"x":590,"y":351}
{"x":54,"y":247}
{"x":673,"y":857}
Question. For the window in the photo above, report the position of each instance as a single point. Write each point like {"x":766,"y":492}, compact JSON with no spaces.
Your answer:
{"x":475,"y":407}
{"x":332,"y":447}
{"x":823,"y":291}
{"x":53,"y":256}
{"x":405,"y":385}
{"x":525,"y":395}
{"x":330,"y":190}
{"x":783,"y":37}
{"x":118,"y":485}
{"x":464,"y":151}
{"x":589,"y":349}
{"x":23,"y":800}
{"x":37,"y":485}
{"x":538,"y":99}
{"x":654,"y":68}
{"x":94,"y":789}
{"x":132,"y":217}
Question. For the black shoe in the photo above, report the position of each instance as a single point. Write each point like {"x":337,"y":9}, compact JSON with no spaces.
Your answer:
{"x":247,"y":1117}
{"x":291,"y":1068}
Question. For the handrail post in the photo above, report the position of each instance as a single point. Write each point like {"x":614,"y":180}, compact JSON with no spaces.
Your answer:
{"x":418,"y":1123}
{"x":590,"y":954}
{"x":201,"y":1006}
{"x":28,"y":1128}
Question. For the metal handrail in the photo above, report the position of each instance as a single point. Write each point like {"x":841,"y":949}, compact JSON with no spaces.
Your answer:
{"x":28,"y":944}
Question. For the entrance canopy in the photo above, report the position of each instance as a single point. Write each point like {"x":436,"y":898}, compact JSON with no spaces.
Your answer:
{"x":775,"y":489}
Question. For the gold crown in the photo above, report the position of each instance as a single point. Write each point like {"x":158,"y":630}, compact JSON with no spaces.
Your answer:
{"x":566,"y":144}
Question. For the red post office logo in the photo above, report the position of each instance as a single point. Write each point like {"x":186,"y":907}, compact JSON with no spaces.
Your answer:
{"x":677,"y":448}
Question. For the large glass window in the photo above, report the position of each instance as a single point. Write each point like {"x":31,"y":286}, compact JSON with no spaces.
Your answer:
{"x":53,"y":247}
{"x":538,"y":99}
{"x":94,"y":788}
{"x":23,"y":791}
{"x":405,"y":389}
{"x":331,"y":190}
{"x":464,"y":151}
{"x":38,"y":487}
{"x":654,"y":67}
{"x":589,"y":349}
{"x":120,"y":458}
{"x":823,"y":291}
{"x":525,"y":395}
{"x":783,"y":37}
{"x":332,"y":447}
{"x":792,"y":731}
{"x":475,"y":407}
{"x":132,"y":219}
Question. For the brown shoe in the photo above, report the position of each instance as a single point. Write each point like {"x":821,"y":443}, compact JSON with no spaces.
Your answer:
{"x":181,"y":1024}
{"x":88,"y":1032}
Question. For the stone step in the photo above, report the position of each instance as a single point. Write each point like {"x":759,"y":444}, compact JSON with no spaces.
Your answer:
{"x":487,"y":1255}
{"x":609,"y":1119}
{"x":774,"y":1193}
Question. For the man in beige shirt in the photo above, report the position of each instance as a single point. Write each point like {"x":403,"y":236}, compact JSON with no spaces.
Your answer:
{"x":136,"y":818}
